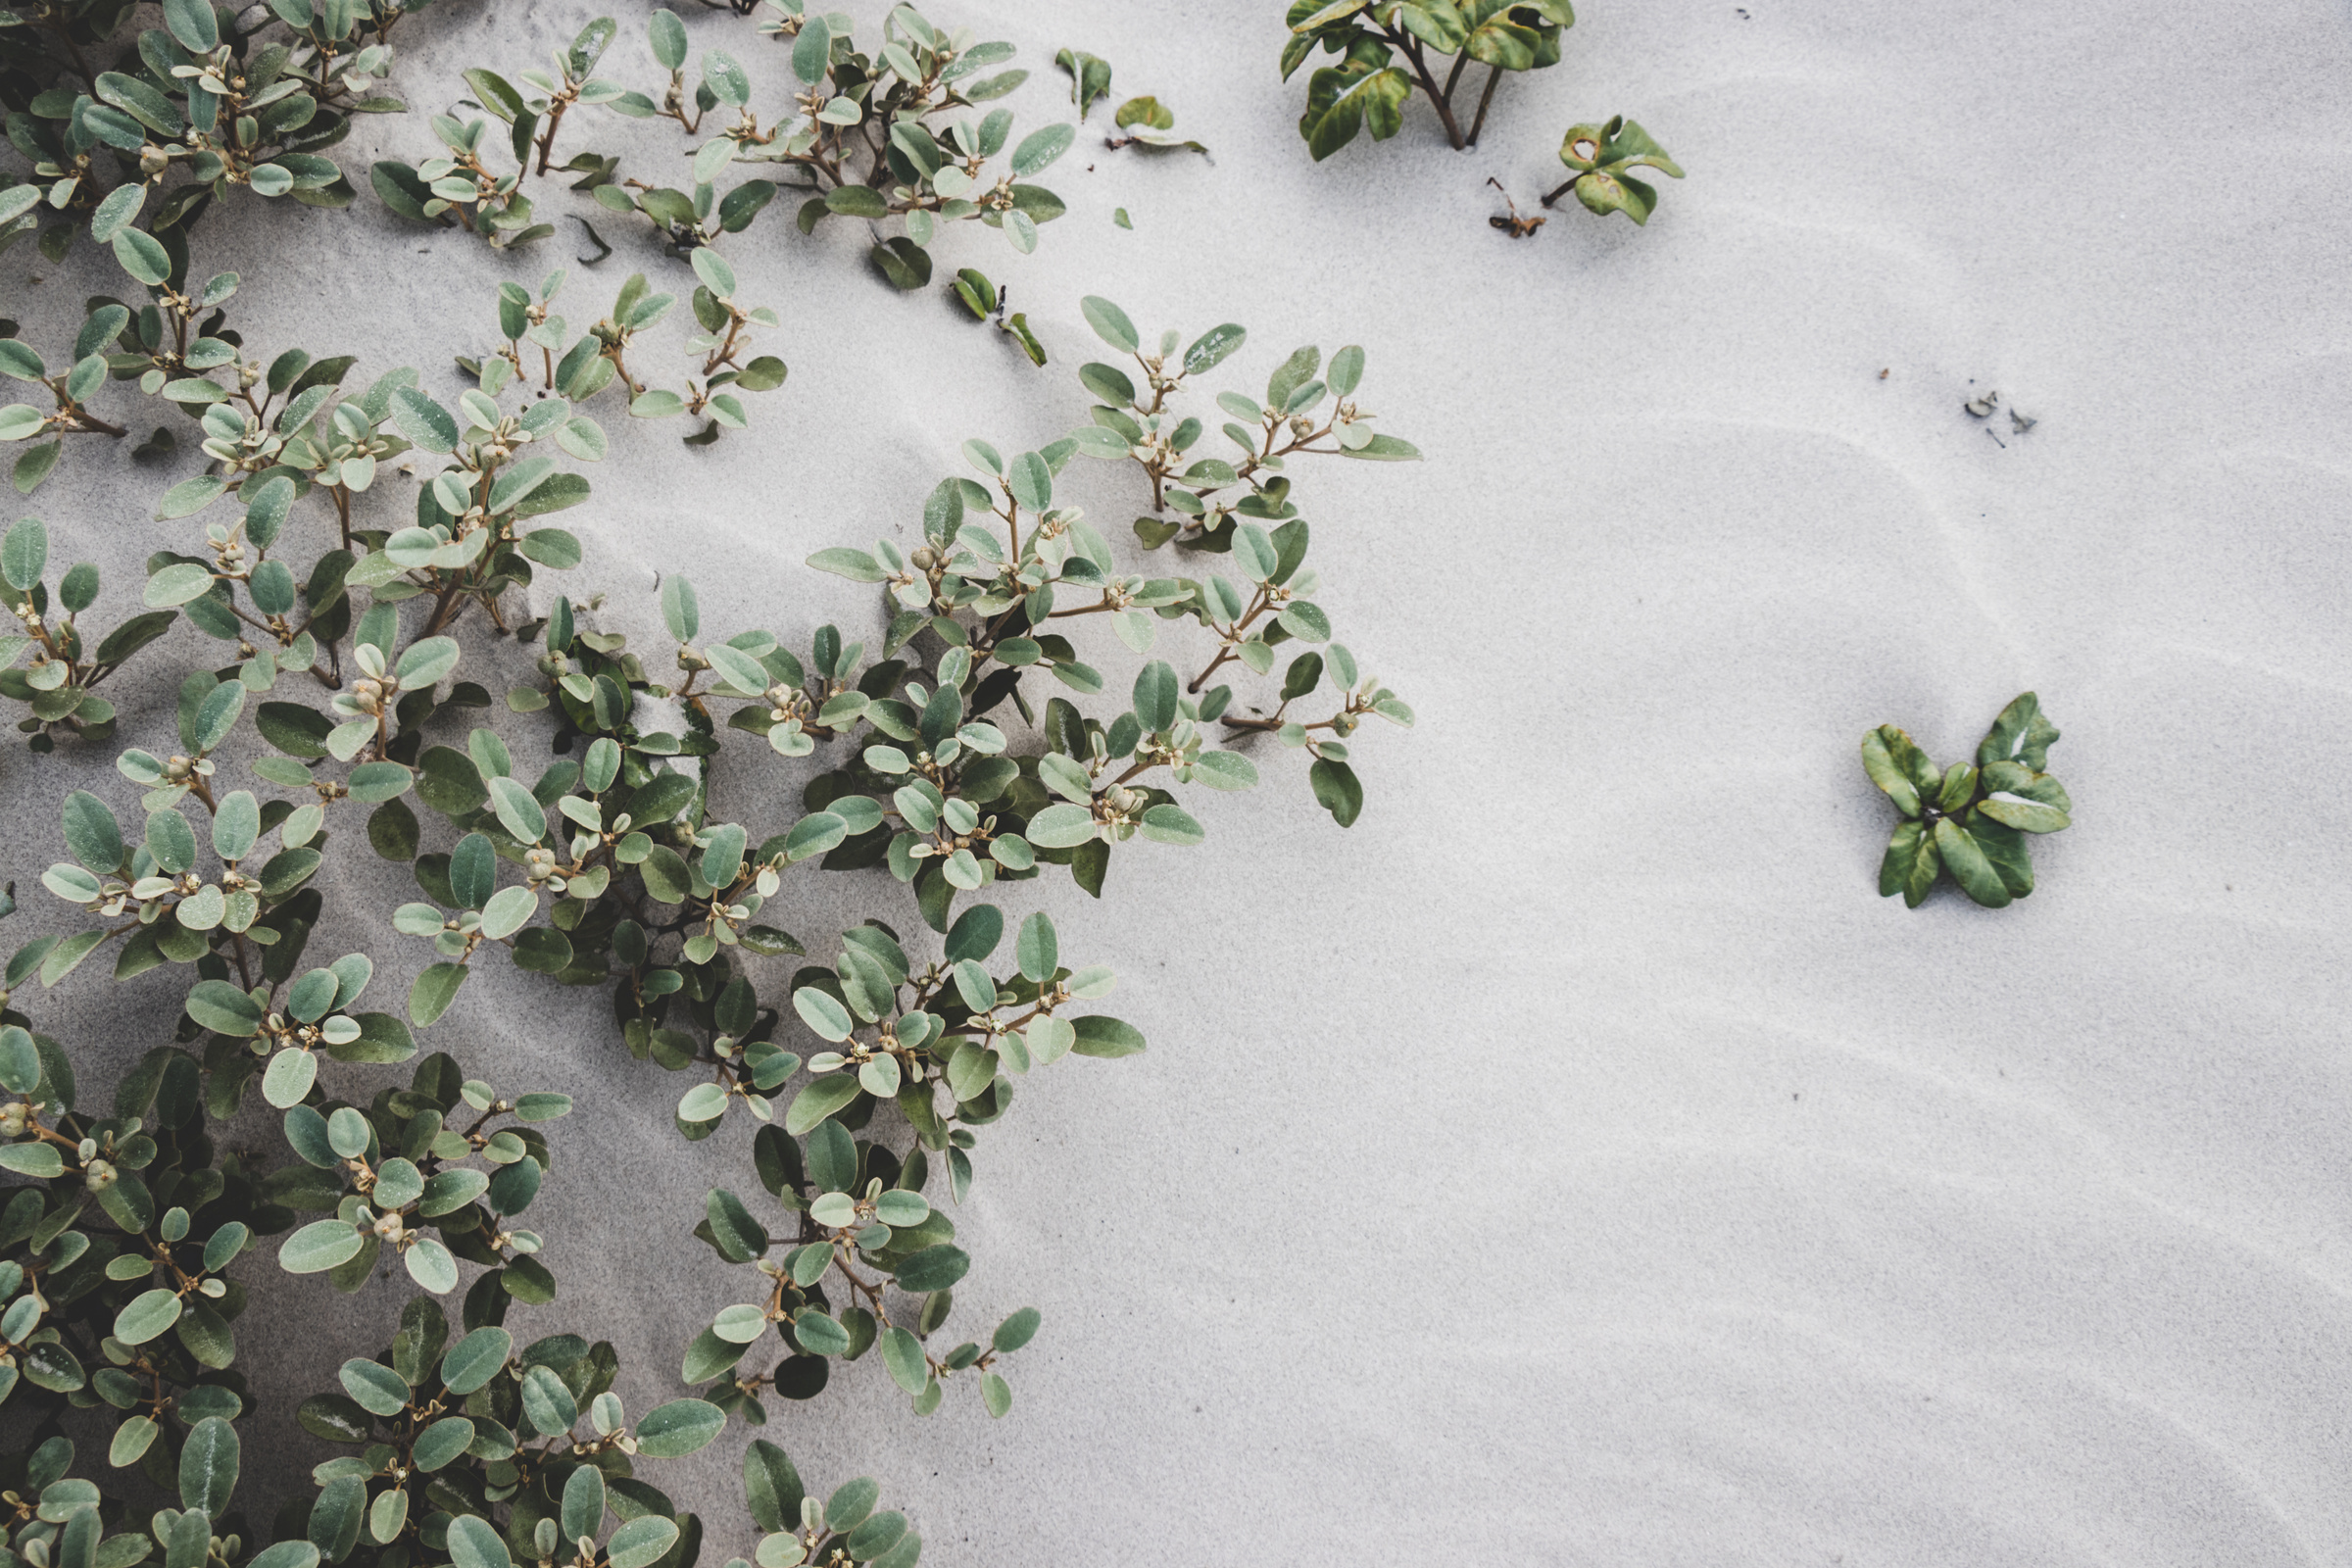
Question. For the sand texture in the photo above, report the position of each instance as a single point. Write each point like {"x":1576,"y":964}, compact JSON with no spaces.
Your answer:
{"x":1574,"y":1162}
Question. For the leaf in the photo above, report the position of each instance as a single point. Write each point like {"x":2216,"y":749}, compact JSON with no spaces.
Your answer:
{"x":641,"y":1542}
{"x":208,"y":1466}
{"x":1110,"y":323}
{"x":1098,"y":1036}
{"x":1887,"y":754}
{"x":1339,"y":102}
{"x":1211,"y":347}
{"x":1911,"y":864}
{"x":1337,"y":790}
{"x":474,"y":1543}
{"x":1041,"y":147}
{"x":2020,"y":735}
{"x":91,"y":832}
{"x":142,"y":256}
{"x":146,"y":1316}
{"x":1037,"y":949}
{"x":318,"y":1248}
{"x":475,"y":1359}
{"x":818,"y":1100}
{"x":192,"y":25}
{"x":25,"y":553}
{"x":680,"y":1427}
{"x":1967,"y":864}
{"x":933,"y":1269}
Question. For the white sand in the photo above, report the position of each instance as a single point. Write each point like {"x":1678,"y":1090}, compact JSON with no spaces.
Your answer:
{"x":1576,"y":1162}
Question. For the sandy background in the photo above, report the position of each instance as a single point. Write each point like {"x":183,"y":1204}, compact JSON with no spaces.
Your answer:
{"x":1575,"y":1162}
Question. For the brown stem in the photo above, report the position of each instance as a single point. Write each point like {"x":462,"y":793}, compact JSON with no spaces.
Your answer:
{"x":1494,"y":75}
{"x":546,"y":138}
{"x":1411,"y":49}
{"x":1565,"y":187}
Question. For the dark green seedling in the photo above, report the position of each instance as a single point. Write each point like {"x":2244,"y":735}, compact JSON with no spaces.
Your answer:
{"x":1969,"y":821}
{"x":987,"y":301}
{"x":1090,"y":79}
{"x":1384,"y":49}
{"x":1600,"y":154}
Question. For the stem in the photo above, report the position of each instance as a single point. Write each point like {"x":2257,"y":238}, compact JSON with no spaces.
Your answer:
{"x":1411,"y":49}
{"x":1565,"y":187}
{"x":1494,"y":75}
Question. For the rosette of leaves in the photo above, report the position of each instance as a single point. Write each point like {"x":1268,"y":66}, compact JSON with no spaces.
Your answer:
{"x":57,"y":685}
{"x":115,"y":1252}
{"x":861,"y":1229}
{"x":61,"y":1519}
{"x":803,"y":1528}
{"x":867,"y":134}
{"x":1600,"y":156}
{"x":472,"y":1451}
{"x":1971,"y":820}
{"x":1390,"y":48}
{"x":231,"y":105}
{"x":468,"y":186}
{"x":395,"y":1177}
{"x":541,"y":354}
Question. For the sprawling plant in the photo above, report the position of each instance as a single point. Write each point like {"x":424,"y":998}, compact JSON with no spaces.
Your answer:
{"x":588,"y":839}
{"x":1971,"y":819}
{"x":894,"y":134}
{"x":215,"y":100}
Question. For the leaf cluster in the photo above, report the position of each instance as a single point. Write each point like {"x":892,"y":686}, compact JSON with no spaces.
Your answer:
{"x":1972,"y":819}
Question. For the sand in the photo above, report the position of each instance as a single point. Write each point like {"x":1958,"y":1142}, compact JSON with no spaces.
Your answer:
{"x":1574,"y":1162}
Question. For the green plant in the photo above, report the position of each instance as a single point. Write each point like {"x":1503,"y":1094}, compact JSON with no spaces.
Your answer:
{"x":1969,"y":820}
{"x":987,"y":303}
{"x":228,"y":105}
{"x":589,"y":841}
{"x":1600,"y":156}
{"x":874,"y":136}
{"x":1384,"y":49}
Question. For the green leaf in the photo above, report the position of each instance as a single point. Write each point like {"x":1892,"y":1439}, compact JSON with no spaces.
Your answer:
{"x":933,"y":1269}
{"x":474,"y":1543}
{"x":318,"y":1248}
{"x":1098,"y":1036}
{"x":1041,"y":147}
{"x":1966,"y":860}
{"x":818,"y":1100}
{"x":208,"y":1467}
{"x":1037,"y":949}
{"x":1337,"y":790}
{"x":1889,"y":757}
{"x":142,"y":256}
{"x":222,"y":1008}
{"x":1911,"y":864}
{"x":2020,"y":735}
{"x":91,"y":832}
{"x":1157,"y":690}
{"x":639,"y":1542}
{"x":680,"y":1427}
{"x":475,"y":1359}
{"x":146,"y":1316}
{"x":1211,"y":347}
{"x":25,"y":553}
{"x":1110,"y":323}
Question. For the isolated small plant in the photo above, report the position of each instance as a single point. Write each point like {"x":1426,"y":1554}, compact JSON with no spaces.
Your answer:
{"x":1601,"y":156}
{"x":1144,"y":120}
{"x":1969,"y":820}
{"x":989,"y":303}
